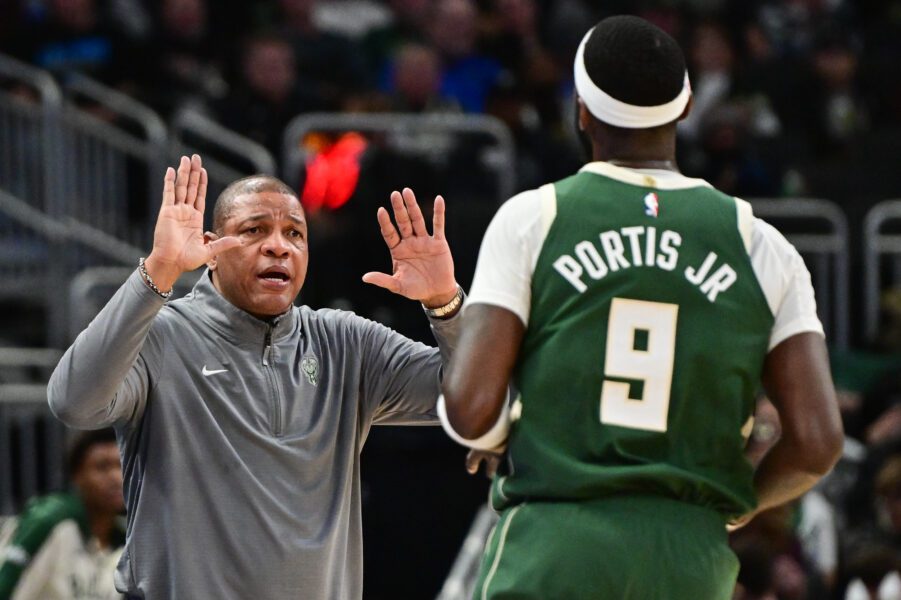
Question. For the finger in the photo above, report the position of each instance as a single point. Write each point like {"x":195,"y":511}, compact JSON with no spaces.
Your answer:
{"x":438,"y":219}
{"x":223,"y":244}
{"x":200,"y":203}
{"x":416,"y":219}
{"x":389,"y":233}
{"x":401,"y":216}
{"x":181,"y":180}
{"x":382,"y":280}
{"x":491,"y":465}
{"x":169,"y":187}
{"x":193,"y":180}
{"x":472,"y":463}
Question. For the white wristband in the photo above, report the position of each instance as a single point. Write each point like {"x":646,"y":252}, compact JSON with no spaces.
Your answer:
{"x":494,"y":438}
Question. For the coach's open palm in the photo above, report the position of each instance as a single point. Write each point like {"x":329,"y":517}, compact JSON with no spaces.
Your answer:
{"x":422,"y":263}
{"x":178,"y":243}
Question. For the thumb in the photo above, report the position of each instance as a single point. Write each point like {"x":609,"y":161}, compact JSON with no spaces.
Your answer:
{"x":382,"y":280}
{"x":223,"y":244}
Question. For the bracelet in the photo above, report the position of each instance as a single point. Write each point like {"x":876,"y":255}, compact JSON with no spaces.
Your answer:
{"x":441,"y":312}
{"x":149,"y":280}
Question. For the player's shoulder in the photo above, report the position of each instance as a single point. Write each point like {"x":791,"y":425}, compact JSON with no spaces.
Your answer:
{"x":523,"y":212}
{"x":766,"y":238}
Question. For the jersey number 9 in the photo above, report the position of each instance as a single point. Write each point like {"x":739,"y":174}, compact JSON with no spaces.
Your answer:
{"x":652,"y":363}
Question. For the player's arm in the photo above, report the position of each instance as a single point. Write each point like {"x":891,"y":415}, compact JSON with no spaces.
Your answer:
{"x":797,"y":380}
{"x":476,"y":385}
{"x":795,"y":375}
{"x":474,"y":406}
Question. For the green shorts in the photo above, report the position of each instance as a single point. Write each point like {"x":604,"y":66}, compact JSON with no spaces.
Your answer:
{"x":619,"y":548}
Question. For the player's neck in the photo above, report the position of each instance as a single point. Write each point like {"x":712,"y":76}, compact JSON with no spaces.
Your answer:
{"x":653,"y":149}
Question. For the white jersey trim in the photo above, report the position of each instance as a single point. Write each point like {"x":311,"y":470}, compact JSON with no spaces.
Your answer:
{"x":745,"y":222}
{"x":516,"y":235}
{"x":654,"y":178}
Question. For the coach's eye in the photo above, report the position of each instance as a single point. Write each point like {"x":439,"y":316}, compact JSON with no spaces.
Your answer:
{"x":252,"y":230}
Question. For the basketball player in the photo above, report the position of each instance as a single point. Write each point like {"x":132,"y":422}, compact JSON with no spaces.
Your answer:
{"x":637,"y":312}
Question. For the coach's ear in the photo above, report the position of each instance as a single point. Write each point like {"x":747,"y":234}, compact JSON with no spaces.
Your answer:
{"x":208,"y":237}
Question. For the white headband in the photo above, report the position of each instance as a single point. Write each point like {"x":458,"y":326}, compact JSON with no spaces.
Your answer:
{"x":620,"y":114}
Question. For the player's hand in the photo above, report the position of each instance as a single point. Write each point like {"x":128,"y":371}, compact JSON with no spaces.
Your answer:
{"x":423,"y":268}
{"x":178,"y":244}
{"x":491,"y":458}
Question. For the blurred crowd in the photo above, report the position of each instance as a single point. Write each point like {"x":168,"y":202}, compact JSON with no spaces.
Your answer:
{"x":791,"y":98}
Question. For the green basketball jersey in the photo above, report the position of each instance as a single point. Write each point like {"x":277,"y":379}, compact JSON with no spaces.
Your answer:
{"x":646,"y":339}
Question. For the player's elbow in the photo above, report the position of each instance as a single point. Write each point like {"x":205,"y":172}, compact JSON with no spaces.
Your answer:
{"x":820,"y":446}
{"x":472,"y":416}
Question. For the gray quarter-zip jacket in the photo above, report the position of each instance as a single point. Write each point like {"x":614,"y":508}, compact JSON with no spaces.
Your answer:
{"x":240,"y":439}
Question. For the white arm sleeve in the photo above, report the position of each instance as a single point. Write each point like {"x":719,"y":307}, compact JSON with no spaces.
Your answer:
{"x":510,"y":249}
{"x":786,"y":284}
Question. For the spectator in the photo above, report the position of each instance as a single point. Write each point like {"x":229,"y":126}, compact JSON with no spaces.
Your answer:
{"x":410,"y":24}
{"x":77,"y":35}
{"x":270,"y":92}
{"x":184,"y":61}
{"x":66,"y":546}
{"x":468,"y":76}
{"x":330,"y":65}
{"x":417,"y":81}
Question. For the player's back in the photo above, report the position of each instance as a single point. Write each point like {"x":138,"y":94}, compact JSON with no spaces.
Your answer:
{"x":645,"y":343}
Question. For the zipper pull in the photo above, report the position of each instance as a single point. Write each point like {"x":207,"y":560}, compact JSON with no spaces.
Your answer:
{"x":268,"y":348}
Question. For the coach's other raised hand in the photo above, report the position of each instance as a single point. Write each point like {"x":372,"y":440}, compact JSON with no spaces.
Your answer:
{"x":178,"y":242}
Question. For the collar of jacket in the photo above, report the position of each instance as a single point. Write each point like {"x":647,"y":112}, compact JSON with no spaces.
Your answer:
{"x":237,"y":324}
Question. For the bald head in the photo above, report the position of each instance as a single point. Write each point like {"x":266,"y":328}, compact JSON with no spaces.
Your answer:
{"x":255,"y":184}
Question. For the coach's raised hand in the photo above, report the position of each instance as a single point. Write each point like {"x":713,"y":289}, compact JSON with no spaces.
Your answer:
{"x":178,"y":241}
{"x":422,"y":266}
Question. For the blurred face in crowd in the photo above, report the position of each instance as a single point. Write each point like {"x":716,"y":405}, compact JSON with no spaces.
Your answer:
{"x":99,"y":479}
{"x":454,"y":27}
{"x":518,"y":15}
{"x":710,"y":50}
{"x":185,"y":18}
{"x":77,"y":15}
{"x":269,"y":69}
{"x":417,"y":74}
{"x":836,"y":66}
{"x":298,"y":11}
{"x":265,"y":274}
{"x":412,"y":12}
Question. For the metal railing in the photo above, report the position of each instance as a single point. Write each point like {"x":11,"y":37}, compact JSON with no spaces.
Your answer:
{"x":111,"y":163}
{"x":878,"y":246}
{"x":31,"y":440}
{"x":819,"y":231}
{"x":227,"y":155}
{"x":92,"y":288}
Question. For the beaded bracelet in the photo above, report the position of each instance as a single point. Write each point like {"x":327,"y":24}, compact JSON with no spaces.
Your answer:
{"x":149,"y":280}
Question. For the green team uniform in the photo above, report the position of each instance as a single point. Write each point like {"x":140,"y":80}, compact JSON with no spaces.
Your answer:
{"x":48,"y":553}
{"x":645,"y":343}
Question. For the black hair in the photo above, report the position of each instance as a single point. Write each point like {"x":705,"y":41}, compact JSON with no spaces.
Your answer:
{"x":634,"y":61}
{"x":83,"y":443}
{"x":253,"y":184}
